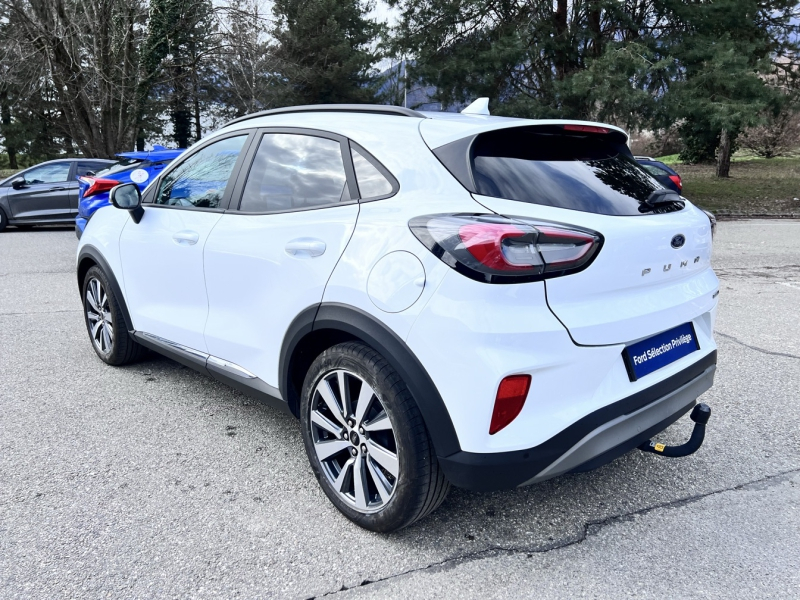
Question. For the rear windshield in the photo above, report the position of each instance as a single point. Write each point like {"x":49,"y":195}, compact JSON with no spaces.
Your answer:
{"x":590,"y":172}
{"x":123,"y":165}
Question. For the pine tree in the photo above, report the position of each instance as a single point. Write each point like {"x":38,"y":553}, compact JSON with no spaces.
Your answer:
{"x":325,"y":51}
{"x":176,"y":60}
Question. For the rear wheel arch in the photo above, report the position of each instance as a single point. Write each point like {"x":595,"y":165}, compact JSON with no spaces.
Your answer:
{"x":322,"y":326}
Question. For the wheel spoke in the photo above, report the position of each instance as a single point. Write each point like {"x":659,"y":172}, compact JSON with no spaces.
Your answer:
{"x":341,"y":479}
{"x":382,"y":423}
{"x":95,"y":328}
{"x":365,"y":397}
{"x":360,"y":483}
{"x":386,"y":459}
{"x":93,"y":316}
{"x":321,"y":421}
{"x":324,"y":389}
{"x":328,"y":448}
{"x":90,"y":298}
{"x":383,"y":486}
{"x":106,"y":339}
{"x":344,"y":392}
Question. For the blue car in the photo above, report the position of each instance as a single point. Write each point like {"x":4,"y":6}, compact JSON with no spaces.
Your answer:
{"x":665,"y":175}
{"x":133,"y":167}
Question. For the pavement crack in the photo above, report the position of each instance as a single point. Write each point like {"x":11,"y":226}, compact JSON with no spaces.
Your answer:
{"x":756,"y":348}
{"x":590,"y":528}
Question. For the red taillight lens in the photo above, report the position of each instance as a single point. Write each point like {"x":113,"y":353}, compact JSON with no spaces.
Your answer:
{"x":676,"y":179}
{"x":97,"y":185}
{"x":509,"y":401}
{"x":495,"y":249}
{"x":585,"y":128}
{"x":485,"y":242}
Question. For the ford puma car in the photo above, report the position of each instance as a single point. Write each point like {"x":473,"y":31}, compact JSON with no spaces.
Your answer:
{"x":137,"y":167}
{"x":440,"y":299}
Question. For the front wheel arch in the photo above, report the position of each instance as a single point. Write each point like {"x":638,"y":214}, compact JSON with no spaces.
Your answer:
{"x":89,"y":257}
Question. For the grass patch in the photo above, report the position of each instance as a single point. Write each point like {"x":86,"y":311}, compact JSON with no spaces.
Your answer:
{"x":669,"y":159}
{"x":755,"y":187}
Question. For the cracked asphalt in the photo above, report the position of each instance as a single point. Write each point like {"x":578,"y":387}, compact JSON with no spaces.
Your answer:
{"x":152,"y":481}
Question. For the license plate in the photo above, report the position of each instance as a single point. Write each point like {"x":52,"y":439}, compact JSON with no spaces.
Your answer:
{"x":642,"y":358}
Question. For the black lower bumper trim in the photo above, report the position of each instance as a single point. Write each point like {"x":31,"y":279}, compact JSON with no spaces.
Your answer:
{"x":506,"y":470}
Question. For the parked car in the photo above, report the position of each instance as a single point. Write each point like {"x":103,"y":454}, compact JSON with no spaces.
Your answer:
{"x":666,"y":176}
{"x":136,"y":167}
{"x":441,"y":299}
{"x":45,"y":194}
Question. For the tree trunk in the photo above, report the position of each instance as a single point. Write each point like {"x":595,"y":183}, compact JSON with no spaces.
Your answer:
{"x":5,"y":120}
{"x":724,"y":154}
{"x":561,"y":39}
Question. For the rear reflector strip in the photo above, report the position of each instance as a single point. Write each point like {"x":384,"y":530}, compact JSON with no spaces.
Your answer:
{"x":510,"y":399}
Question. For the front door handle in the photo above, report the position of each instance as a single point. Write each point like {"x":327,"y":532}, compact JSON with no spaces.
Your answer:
{"x":57,"y":189}
{"x":186,"y":237}
{"x":305,"y":248}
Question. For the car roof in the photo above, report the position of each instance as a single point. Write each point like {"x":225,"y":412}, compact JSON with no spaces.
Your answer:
{"x":157,"y":153}
{"x":436,"y":128}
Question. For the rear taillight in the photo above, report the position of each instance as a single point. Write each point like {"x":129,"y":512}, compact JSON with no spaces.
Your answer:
{"x":510,"y":399}
{"x":97,"y":185}
{"x":676,"y":179}
{"x":496,"y":249}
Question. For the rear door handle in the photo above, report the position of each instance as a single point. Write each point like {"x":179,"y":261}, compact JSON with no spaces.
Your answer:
{"x":305,"y":248}
{"x":186,"y":237}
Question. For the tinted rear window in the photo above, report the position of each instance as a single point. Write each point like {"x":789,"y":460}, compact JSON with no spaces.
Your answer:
{"x":545,"y":165}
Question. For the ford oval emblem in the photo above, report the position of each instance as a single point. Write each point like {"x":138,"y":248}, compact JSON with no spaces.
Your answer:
{"x":678,"y":241}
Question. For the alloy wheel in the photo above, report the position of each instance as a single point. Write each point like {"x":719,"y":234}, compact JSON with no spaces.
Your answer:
{"x":354,"y":441}
{"x":98,"y":313}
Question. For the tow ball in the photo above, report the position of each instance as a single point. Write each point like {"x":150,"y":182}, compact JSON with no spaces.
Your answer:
{"x":700,"y":415}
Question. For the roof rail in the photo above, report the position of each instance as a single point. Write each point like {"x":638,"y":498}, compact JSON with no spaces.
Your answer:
{"x":380,"y":109}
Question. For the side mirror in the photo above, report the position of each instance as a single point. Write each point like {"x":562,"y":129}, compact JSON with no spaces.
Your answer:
{"x":18,"y":183}
{"x":128,"y":197}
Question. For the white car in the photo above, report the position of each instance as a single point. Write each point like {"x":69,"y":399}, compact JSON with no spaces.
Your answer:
{"x":439,"y":298}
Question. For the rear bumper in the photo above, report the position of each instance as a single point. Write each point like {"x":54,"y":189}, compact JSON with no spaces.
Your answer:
{"x":590,"y":442}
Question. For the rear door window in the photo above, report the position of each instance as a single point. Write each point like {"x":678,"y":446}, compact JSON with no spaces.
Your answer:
{"x":295,"y":172}
{"x":589,"y":172}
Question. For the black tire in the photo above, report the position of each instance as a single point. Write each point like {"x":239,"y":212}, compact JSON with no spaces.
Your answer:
{"x":119,"y":348}
{"x":3,"y":220}
{"x":420,"y":485}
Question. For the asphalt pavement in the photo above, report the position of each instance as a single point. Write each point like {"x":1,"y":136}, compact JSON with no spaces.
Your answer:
{"x":153,"y":481}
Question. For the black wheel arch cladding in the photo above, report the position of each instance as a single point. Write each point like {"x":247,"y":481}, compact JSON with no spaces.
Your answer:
{"x":321,"y":326}
{"x":90,"y":256}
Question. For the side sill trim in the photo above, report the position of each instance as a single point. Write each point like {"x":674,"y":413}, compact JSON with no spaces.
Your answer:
{"x":222,"y":370}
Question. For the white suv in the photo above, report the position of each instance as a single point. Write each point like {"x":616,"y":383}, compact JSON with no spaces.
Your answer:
{"x":439,"y":298}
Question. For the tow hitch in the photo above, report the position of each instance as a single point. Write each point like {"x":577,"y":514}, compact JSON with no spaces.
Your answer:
{"x":700,"y":415}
